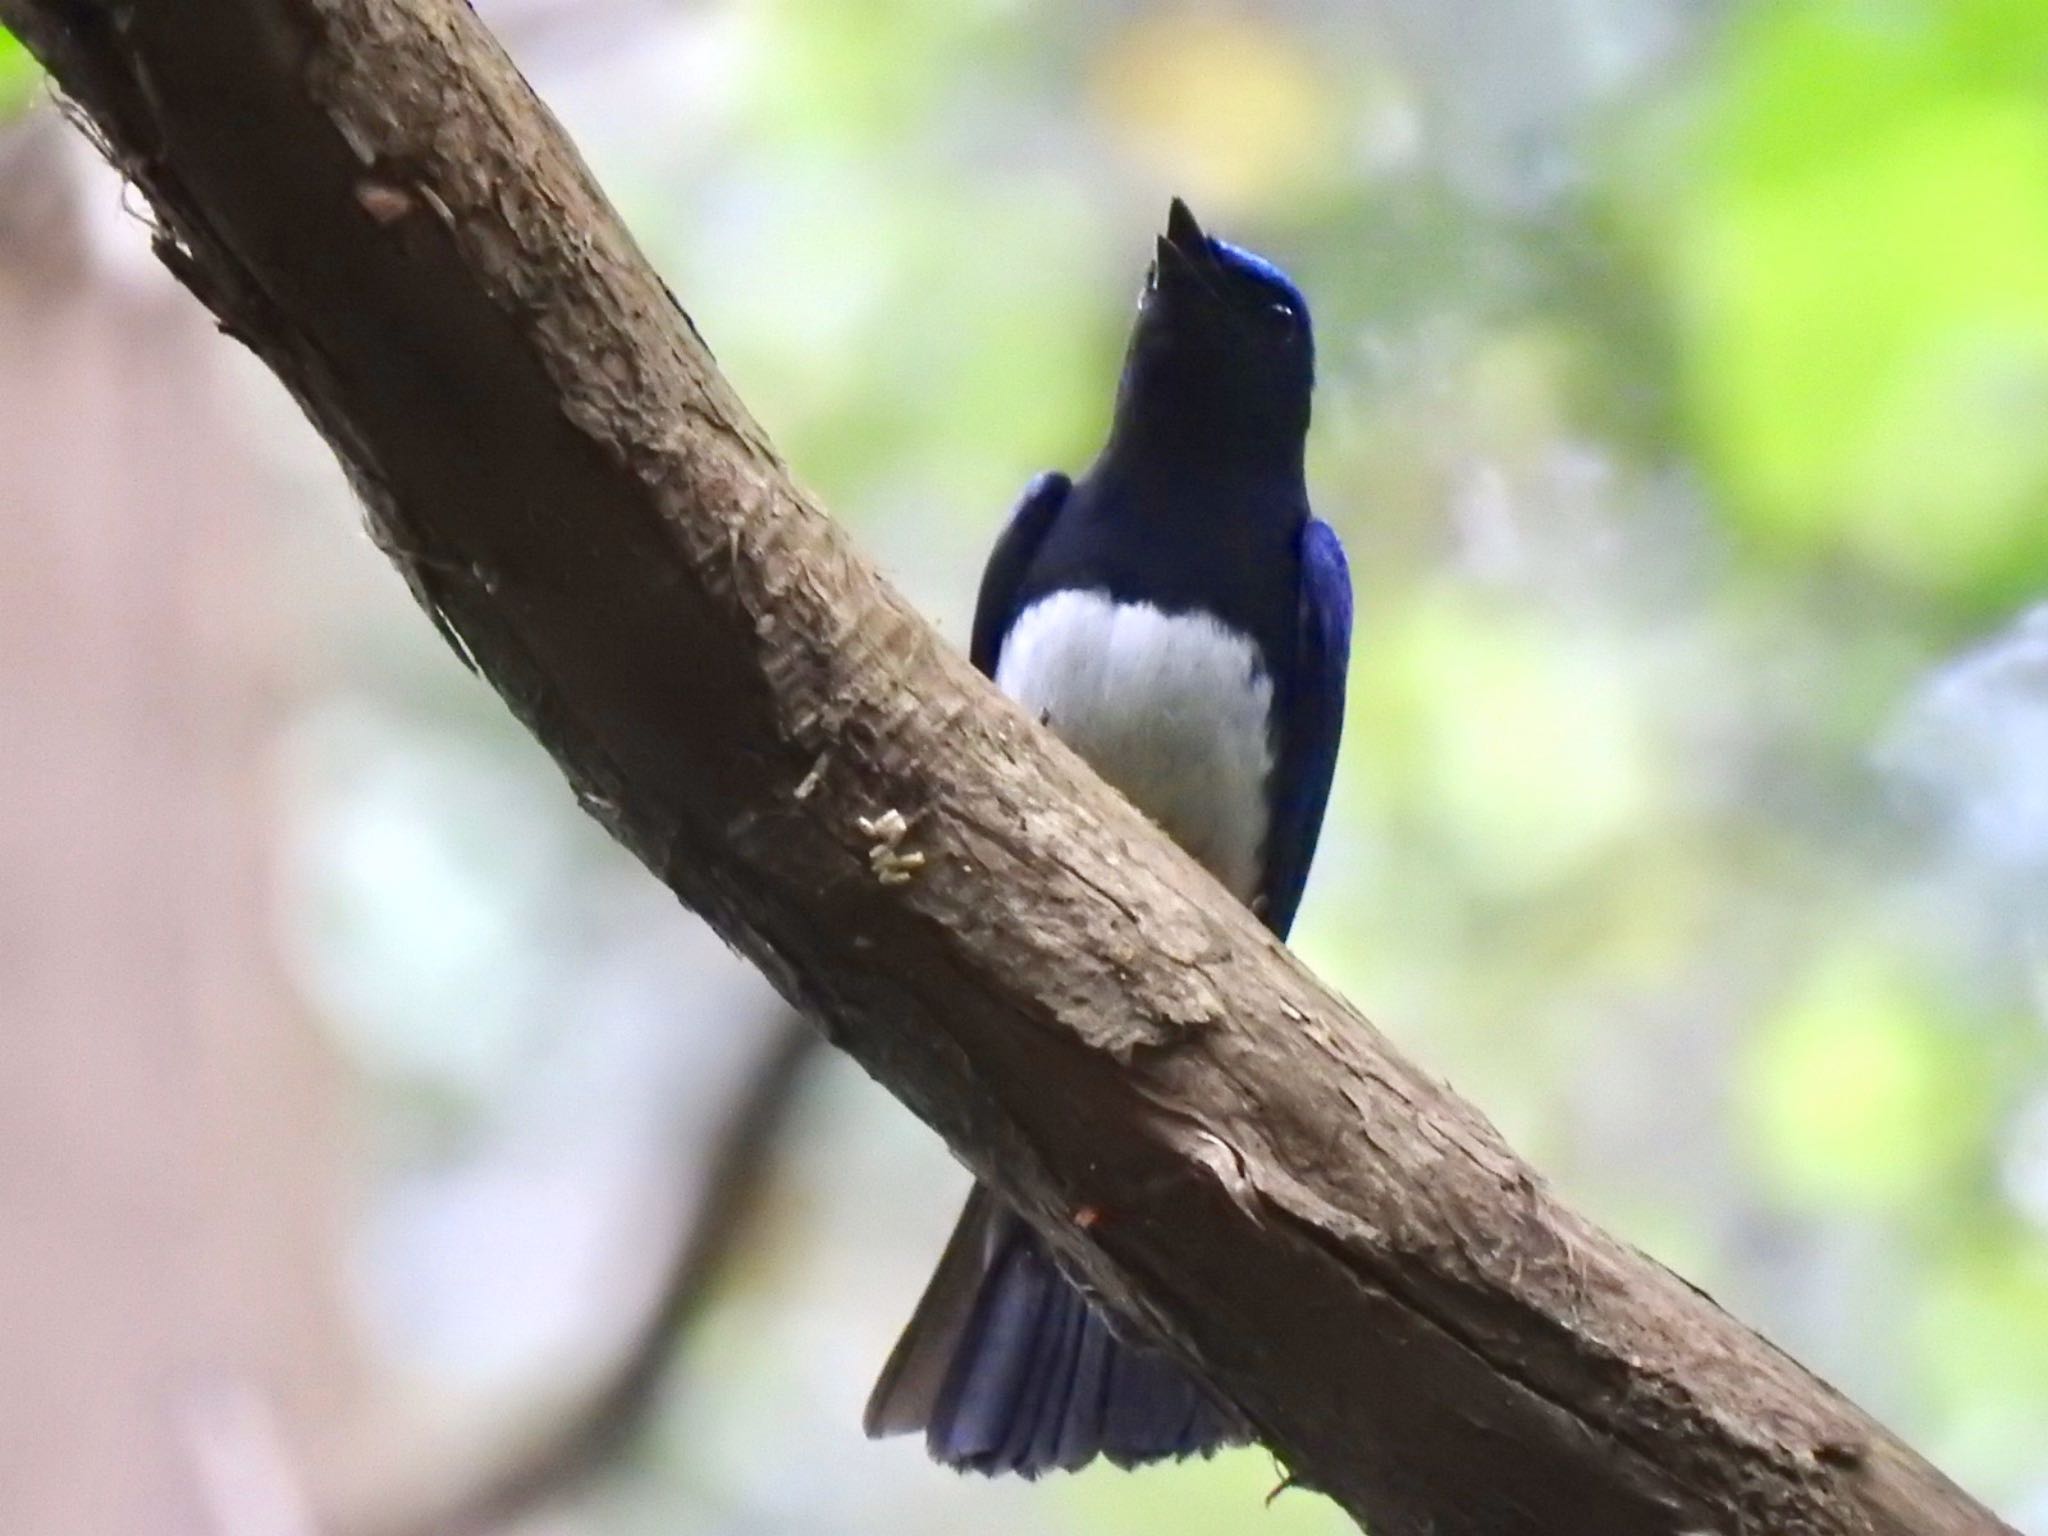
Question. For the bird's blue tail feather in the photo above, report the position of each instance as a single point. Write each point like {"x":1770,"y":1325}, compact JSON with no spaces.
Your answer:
{"x":1037,"y":1381}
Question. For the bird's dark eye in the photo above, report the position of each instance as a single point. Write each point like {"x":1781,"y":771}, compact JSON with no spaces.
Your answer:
{"x":1280,"y":316}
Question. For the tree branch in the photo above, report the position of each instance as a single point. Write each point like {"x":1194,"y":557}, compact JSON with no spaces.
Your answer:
{"x":367,"y":194}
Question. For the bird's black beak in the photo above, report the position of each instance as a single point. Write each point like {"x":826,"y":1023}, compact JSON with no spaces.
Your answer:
{"x":1182,"y":232}
{"x":1184,"y":263}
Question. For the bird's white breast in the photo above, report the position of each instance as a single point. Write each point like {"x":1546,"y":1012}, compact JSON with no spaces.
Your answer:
{"x":1173,"y":709}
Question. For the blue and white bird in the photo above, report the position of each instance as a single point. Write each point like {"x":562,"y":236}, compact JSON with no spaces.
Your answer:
{"x":1179,"y":617}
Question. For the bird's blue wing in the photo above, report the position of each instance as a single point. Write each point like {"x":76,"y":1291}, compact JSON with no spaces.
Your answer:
{"x":995,"y":607}
{"x":1311,"y":721}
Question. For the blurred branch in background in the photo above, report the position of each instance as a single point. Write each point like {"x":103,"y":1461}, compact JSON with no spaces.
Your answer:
{"x":1310,"y":1214}
{"x":586,"y":1436}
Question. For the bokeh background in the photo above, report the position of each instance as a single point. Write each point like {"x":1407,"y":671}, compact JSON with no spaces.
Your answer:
{"x":1684,"y":405}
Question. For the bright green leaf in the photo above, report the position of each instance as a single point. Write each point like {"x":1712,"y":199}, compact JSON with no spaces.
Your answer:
{"x":19,"y":74}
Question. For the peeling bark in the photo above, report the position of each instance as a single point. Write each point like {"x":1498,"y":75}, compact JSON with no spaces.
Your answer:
{"x":367,"y":194}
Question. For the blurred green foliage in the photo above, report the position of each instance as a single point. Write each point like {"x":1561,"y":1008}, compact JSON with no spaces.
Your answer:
{"x":1861,"y":261}
{"x":1852,"y":1090}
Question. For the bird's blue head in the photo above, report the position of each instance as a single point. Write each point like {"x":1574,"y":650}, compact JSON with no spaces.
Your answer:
{"x":1222,"y":354}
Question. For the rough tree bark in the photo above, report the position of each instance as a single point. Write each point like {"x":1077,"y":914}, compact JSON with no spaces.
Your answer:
{"x":367,"y":194}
